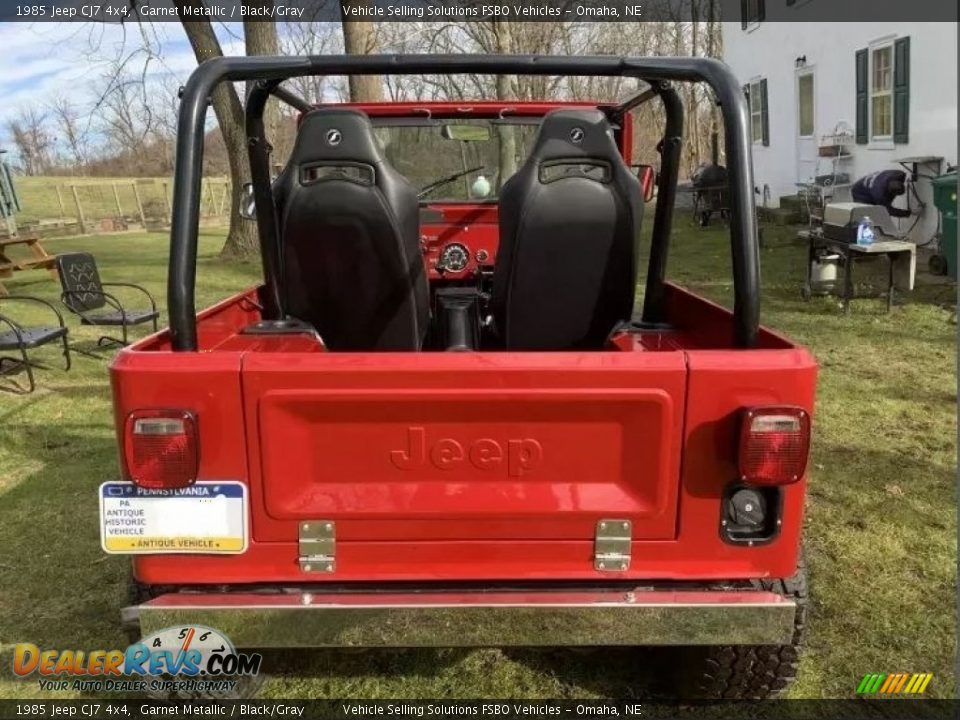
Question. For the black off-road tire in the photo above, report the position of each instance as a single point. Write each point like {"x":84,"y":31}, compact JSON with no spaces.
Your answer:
{"x":747,"y":672}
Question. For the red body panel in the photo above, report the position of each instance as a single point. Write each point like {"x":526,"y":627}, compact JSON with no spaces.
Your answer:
{"x":455,"y":446}
{"x":484,"y":466}
{"x":471,"y":526}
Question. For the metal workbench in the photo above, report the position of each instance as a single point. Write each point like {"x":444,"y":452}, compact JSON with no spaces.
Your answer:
{"x":900,"y":256}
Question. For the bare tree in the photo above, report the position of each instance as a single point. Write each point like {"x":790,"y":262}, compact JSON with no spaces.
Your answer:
{"x":713,"y":50}
{"x":137,"y":113}
{"x":359,"y":38}
{"x":408,"y":37}
{"x":74,"y":132}
{"x":315,"y":38}
{"x":166,"y":104}
{"x":33,"y":141}
{"x":242,"y":238}
{"x":261,"y":39}
{"x":127,"y":119}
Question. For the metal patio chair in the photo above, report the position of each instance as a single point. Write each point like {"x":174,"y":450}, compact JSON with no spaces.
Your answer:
{"x":83,"y":295}
{"x":22,"y":338}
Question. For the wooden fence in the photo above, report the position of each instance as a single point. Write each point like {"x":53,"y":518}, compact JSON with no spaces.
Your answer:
{"x":64,"y":207}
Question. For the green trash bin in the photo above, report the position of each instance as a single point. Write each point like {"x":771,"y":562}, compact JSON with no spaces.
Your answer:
{"x":945,"y":198}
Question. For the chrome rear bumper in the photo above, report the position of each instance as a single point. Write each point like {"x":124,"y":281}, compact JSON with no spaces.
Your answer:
{"x":478,"y":618}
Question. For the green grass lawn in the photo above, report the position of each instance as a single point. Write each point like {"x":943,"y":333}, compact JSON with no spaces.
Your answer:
{"x":880,"y":525}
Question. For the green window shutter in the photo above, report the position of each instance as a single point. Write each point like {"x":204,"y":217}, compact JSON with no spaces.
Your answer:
{"x":901,"y":90}
{"x":765,"y":112}
{"x":863,"y":133}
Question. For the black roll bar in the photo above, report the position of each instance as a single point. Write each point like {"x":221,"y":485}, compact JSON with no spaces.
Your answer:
{"x":291,"y":98}
{"x":654,"y":300}
{"x":617,"y":113}
{"x":266,"y":216}
{"x":187,"y":183}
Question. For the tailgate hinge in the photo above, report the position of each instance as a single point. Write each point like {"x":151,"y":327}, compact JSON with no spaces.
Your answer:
{"x":318,"y":546}
{"x":611,"y":545}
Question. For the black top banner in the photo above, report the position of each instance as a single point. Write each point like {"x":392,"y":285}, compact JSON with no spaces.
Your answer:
{"x":744,"y":11}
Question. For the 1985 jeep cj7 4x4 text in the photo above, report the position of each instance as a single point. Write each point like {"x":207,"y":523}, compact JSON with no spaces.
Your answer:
{"x":572,"y":475}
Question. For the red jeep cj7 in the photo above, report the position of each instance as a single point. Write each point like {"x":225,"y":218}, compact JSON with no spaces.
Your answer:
{"x":439,"y":421}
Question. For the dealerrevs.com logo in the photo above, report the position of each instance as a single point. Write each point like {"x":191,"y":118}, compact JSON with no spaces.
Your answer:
{"x":176,"y":659}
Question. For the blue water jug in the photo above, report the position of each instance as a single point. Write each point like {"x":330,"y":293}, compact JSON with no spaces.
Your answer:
{"x":865,"y":232}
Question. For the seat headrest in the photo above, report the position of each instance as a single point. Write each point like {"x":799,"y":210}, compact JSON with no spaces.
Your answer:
{"x":336,"y":134}
{"x":573,"y":133}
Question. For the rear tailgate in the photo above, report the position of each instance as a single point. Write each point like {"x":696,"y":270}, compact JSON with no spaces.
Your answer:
{"x":464,"y":446}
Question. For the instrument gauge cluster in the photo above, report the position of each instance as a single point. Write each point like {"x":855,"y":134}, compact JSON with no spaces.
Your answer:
{"x":454,"y":257}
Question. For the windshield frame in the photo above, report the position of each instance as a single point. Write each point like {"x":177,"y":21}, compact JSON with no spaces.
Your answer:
{"x":474,"y":159}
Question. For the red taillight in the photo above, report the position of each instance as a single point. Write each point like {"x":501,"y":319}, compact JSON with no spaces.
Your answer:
{"x":161,"y":448}
{"x":774,"y":444}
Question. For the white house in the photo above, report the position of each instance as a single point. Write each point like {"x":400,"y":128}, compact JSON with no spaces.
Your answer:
{"x":890,"y":86}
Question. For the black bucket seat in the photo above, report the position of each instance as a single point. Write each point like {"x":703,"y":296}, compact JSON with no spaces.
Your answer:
{"x":350,"y":238}
{"x":566,"y":266}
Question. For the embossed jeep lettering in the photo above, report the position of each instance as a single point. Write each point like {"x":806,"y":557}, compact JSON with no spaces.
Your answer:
{"x":521,"y":455}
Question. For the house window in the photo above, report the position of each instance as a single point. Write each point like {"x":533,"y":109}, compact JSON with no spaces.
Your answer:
{"x":881,"y":92}
{"x":757,"y":111}
{"x":805,"y":104}
{"x":752,"y":12}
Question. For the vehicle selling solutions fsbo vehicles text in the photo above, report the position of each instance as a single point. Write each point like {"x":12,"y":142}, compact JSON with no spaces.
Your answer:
{"x":485,"y":11}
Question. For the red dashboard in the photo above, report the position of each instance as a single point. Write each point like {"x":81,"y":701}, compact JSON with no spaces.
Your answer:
{"x":458,"y":239}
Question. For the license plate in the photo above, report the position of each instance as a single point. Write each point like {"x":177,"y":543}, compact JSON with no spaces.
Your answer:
{"x":207,"y":517}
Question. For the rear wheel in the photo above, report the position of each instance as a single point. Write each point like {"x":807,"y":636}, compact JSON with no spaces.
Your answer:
{"x":747,"y":671}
